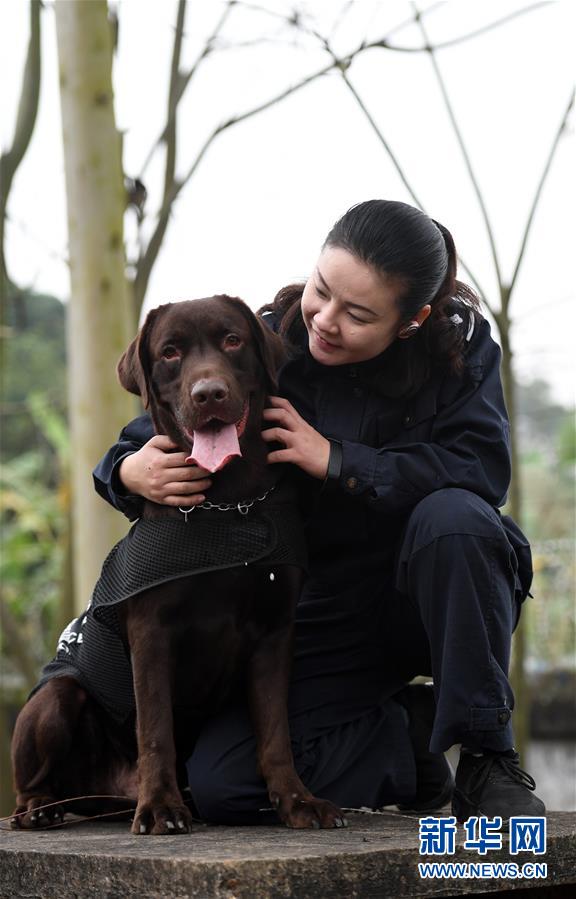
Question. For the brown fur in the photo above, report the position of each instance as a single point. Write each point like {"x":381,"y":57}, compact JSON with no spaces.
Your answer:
{"x":190,"y":639}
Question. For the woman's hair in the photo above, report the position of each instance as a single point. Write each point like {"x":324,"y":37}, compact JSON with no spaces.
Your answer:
{"x":404,"y":245}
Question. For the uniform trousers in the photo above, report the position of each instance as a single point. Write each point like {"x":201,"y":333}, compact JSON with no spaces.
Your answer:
{"x":448,"y":611}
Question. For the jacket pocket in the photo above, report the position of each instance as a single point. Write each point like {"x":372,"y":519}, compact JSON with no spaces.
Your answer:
{"x":523,"y":556}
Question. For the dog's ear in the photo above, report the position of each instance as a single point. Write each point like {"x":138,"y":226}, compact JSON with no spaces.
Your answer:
{"x":272,"y":351}
{"x":269,"y":346}
{"x":134,"y":367}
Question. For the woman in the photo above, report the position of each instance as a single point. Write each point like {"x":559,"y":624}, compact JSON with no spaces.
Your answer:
{"x":391,"y":408}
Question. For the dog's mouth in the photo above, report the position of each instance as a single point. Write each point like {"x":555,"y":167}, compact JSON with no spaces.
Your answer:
{"x":216,"y":443}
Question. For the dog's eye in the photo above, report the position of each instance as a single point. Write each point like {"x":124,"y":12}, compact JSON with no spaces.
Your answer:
{"x":231,"y":341}
{"x":170,"y":352}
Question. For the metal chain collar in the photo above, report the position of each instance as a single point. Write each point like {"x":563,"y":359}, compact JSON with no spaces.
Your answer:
{"x":243,"y":506}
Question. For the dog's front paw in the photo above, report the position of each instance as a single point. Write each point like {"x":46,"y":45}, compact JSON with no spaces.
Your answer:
{"x":39,"y":812}
{"x":161,"y":819}
{"x":300,"y":810}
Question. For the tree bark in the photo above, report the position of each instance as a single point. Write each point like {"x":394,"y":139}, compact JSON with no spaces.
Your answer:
{"x":26,"y":119}
{"x":99,"y":321}
{"x":514,"y":508}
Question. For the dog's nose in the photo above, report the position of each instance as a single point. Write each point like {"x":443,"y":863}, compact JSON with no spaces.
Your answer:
{"x":209,"y":390}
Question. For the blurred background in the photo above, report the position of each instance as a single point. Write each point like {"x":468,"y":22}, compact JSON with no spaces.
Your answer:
{"x":155,"y":151}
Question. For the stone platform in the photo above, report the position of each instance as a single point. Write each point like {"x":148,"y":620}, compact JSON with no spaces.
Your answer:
{"x":376,"y":856}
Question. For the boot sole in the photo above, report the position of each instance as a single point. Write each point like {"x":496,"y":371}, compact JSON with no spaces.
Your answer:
{"x":435,"y":804}
{"x":463,"y":808}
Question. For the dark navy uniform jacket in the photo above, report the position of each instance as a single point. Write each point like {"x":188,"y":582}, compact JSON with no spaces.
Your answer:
{"x":396,"y":449}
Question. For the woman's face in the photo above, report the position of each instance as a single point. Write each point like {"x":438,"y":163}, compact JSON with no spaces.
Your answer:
{"x":350,"y":312}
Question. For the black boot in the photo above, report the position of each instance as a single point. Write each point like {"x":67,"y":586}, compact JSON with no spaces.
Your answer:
{"x":434,"y":779}
{"x":494,"y":784}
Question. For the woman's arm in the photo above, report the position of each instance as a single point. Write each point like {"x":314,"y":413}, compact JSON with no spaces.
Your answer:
{"x":303,"y":446}
{"x":465,"y":443}
{"x":143,"y":465}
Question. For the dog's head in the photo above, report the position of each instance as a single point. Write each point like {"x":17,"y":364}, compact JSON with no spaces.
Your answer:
{"x":203,"y":368}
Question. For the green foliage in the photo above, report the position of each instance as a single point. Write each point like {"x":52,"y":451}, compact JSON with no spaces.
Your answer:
{"x":547,"y":499}
{"x":33,"y":359}
{"x":540,"y":416}
{"x":547,"y":437}
{"x":550,"y":611}
{"x":34,"y":481}
{"x":567,"y":440}
{"x":34,"y":519}
{"x":548,"y":489}
{"x":52,"y":427}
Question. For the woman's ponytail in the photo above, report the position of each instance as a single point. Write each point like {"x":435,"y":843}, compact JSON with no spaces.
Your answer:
{"x":446,"y":329}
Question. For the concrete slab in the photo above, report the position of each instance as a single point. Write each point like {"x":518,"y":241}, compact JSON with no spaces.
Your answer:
{"x":376,"y":856}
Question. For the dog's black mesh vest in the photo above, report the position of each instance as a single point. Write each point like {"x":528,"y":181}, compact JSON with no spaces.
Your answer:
{"x":152,"y":553}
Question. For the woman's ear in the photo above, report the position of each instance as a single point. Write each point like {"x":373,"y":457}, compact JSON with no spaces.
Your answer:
{"x":423,"y":314}
{"x":415,"y":323}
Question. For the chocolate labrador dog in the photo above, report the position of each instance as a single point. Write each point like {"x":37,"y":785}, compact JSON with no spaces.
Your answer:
{"x":191,"y":607}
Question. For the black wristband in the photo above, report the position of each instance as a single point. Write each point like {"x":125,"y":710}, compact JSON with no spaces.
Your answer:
{"x":334,"y":469}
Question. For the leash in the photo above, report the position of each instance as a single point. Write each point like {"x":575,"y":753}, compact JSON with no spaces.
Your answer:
{"x":63,"y":802}
{"x":243,"y":506}
{"x":363,"y":810}
{"x":80,"y":819}
{"x":83,"y":819}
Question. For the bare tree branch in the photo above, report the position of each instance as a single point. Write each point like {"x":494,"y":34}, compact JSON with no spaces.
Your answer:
{"x":147,"y":261}
{"x":235,"y":120}
{"x":170,"y":137}
{"x":25,"y":121}
{"x":403,"y":177}
{"x":254,"y":7}
{"x":462,"y":37}
{"x":551,"y":154}
{"x":394,"y":160}
{"x":463,"y":149}
{"x":180,"y":82}
{"x":384,"y":42}
{"x":410,"y":21}
{"x":222,"y":47}
{"x":343,"y":12}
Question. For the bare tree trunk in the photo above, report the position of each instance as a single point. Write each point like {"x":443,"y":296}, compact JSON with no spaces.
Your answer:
{"x":517,"y":673}
{"x":99,"y":321}
{"x":26,"y":119}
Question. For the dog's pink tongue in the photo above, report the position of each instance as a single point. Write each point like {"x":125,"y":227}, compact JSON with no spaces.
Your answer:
{"x":214,"y":446}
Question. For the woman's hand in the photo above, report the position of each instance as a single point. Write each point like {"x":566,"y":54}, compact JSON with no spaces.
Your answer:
{"x":162,"y":476}
{"x":304,"y":446}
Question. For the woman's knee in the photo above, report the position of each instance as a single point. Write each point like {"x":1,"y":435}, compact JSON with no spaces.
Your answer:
{"x":222,"y":776}
{"x":207,"y":789}
{"x":451,"y":511}
{"x":222,"y":801}
{"x":445,"y":526}
{"x":456,"y":546}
